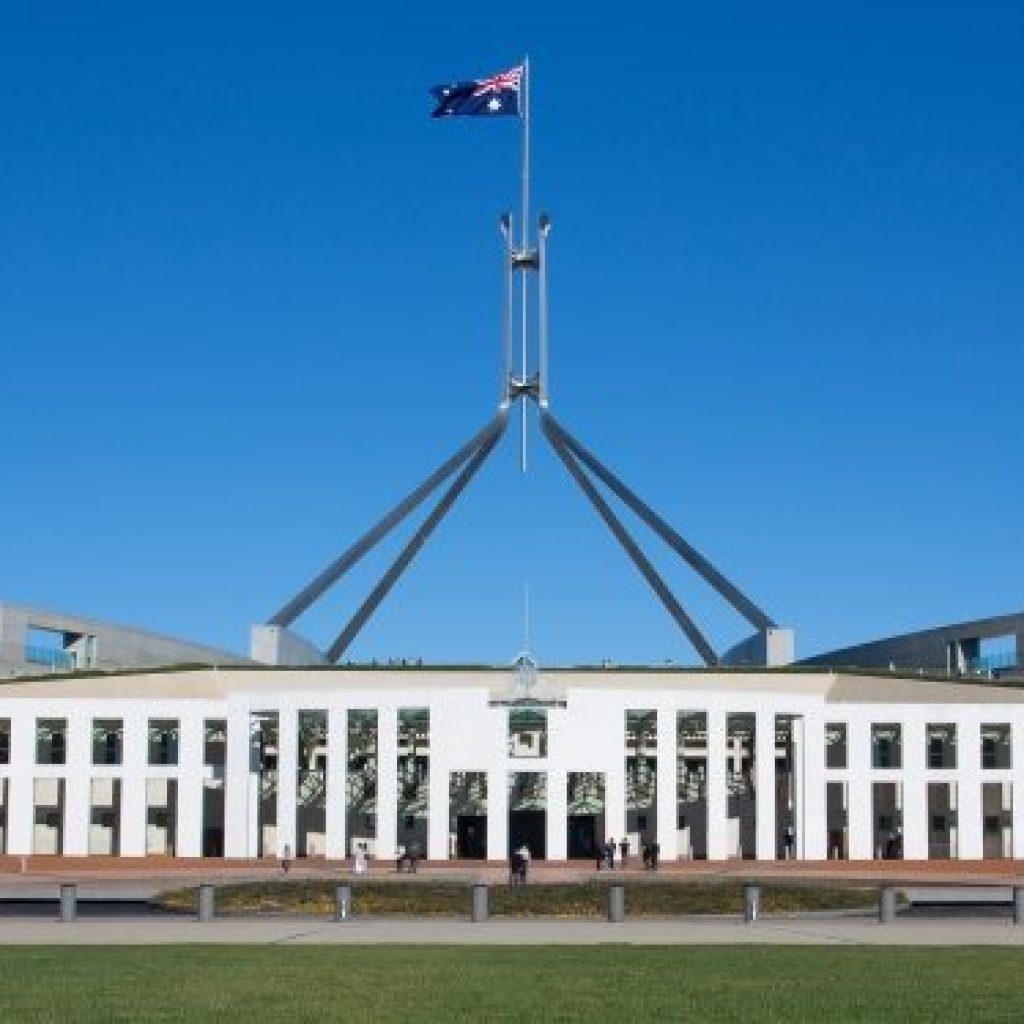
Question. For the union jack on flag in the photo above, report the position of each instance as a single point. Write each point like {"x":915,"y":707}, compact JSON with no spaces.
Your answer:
{"x":489,"y":97}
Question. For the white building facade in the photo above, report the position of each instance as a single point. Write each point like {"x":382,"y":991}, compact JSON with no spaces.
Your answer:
{"x":243,"y":763}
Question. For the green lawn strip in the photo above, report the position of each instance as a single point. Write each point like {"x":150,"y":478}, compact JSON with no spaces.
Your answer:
{"x":451,"y":899}
{"x":480,"y":983}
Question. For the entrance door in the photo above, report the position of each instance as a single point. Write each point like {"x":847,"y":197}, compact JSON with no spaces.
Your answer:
{"x":582,"y":837}
{"x":471,"y":836}
{"x":527,"y":827}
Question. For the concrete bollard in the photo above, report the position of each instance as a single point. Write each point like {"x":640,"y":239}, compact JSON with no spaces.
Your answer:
{"x":479,"y":904}
{"x":616,"y":904}
{"x":206,"y":903}
{"x":1018,"y":904}
{"x":751,"y":902}
{"x":886,"y":905}
{"x":68,"y":902}
{"x":342,"y":902}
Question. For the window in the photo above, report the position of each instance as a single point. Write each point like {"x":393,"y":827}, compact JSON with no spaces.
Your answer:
{"x":163,"y":741}
{"x":5,"y":741}
{"x":215,"y":742}
{"x":51,"y":740}
{"x":107,"y":737}
{"x":941,"y":746}
{"x":995,"y":745}
{"x":835,"y":745}
{"x":527,"y":732}
{"x":887,"y":745}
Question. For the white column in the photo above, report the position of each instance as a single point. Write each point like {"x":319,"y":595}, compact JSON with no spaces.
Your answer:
{"x":20,"y":796}
{"x":811,"y":794}
{"x":337,"y":768}
{"x":1017,"y":781}
{"x":859,"y":812}
{"x":239,"y":830}
{"x":387,"y":782}
{"x":189,"y":812}
{"x":667,"y":797}
{"x":133,"y":786}
{"x":764,"y":785}
{"x":437,"y":807}
{"x":287,"y":778}
{"x":497,"y":814}
{"x":969,"y":809}
{"x":615,"y":797}
{"x":78,"y":785}
{"x":915,"y":791}
{"x":718,"y":806}
{"x":557,"y":819}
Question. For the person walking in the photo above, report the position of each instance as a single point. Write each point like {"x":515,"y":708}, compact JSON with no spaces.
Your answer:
{"x":624,"y":852}
{"x":524,"y":863}
{"x":286,"y":859}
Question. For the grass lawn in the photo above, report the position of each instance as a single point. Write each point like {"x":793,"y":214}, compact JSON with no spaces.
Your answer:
{"x":577,"y":899}
{"x":440,"y":984}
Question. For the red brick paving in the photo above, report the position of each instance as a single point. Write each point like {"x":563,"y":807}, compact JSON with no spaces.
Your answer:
{"x":952,"y":872}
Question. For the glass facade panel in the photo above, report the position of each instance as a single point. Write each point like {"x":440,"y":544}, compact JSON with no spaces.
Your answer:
{"x":361,"y":781}
{"x":413,"y":780}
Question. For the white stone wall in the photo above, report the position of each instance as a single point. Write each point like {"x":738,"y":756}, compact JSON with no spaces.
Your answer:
{"x":469,"y":734}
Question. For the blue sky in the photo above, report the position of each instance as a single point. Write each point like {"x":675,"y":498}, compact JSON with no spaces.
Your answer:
{"x":249,"y":295}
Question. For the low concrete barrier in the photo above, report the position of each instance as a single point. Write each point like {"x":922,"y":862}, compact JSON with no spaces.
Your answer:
{"x":616,"y":904}
{"x":479,"y":904}
{"x":207,"y":908}
{"x":886,"y":905}
{"x":68,"y":902}
{"x":343,"y":903}
{"x":751,"y":902}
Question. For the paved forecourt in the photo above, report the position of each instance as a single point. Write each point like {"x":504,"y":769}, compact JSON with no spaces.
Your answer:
{"x":810,"y":929}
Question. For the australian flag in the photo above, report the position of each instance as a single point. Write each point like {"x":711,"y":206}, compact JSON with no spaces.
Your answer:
{"x":490,"y":97}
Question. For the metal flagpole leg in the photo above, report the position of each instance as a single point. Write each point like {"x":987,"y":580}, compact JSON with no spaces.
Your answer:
{"x":657,"y":584}
{"x":524,"y":236}
{"x":544,"y":225}
{"x":409,"y":552}
{"x":507,"y":232}
{"x":750,"y":611}
{"x":326,"y":579}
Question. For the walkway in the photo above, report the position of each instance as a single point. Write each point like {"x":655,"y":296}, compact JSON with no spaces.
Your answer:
{"x":155,"y":874}
{"x":830,"y":930}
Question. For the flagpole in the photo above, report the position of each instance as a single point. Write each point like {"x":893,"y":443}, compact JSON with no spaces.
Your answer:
{"x":524,"y":239}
